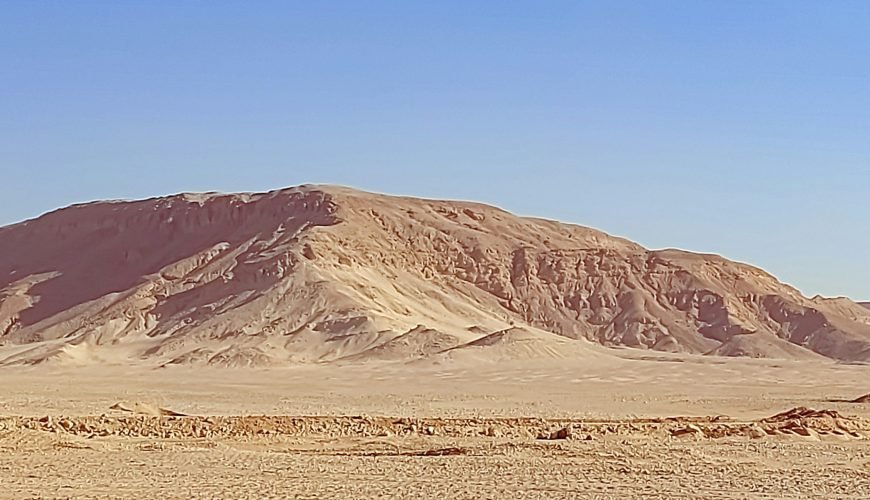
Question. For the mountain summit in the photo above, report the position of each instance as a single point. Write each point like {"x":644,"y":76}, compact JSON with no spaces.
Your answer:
{"x":319,"y":273}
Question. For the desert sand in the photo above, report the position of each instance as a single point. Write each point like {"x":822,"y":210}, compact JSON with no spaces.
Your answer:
{"x":685,"y":427}
{"x":323,"y":342}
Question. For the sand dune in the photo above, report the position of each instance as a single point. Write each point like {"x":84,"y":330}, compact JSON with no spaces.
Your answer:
{"x":521,"y":344}
{"x":319,"y":274}
{"x":756,"y":345}
{"x":419,"y":342}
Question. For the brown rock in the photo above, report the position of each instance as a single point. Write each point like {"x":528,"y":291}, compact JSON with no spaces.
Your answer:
{"x":689,"y":430}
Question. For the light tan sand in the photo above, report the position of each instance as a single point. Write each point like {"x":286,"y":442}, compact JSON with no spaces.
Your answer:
{"x":477,"y":454}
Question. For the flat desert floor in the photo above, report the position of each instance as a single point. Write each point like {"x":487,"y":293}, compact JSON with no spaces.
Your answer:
{"x":643,"y":426}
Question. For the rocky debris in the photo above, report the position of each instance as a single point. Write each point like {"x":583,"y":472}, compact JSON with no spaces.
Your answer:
{"x":689,"y":430}
{"x":442,"y":452}
{"x":808,"y":422}
{"x":755,"y":431}
{"x":38,"y":465}
{"x":801,"y":413}
{"x":145,"y":409}
{"x":800,"y":430}
{"x":563,"y":433}
{"x":492,"y":432}
{"x":799,"y":422}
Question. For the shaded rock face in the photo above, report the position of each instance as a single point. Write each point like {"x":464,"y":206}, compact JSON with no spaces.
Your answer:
{"x":319,"y":273}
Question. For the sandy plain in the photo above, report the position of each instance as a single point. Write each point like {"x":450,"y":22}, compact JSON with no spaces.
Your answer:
{"x":642,"y":426}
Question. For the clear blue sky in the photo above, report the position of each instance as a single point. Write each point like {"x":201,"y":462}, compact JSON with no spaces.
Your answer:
{"x":735,"y":127}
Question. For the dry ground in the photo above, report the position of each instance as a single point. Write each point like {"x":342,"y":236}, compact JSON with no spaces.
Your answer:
{"x":363,"y":431}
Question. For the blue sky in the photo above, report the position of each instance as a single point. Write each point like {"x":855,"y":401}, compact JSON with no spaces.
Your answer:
{"x":740,"y":128}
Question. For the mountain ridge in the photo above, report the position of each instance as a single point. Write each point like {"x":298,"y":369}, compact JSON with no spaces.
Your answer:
{"x":320,"y":273}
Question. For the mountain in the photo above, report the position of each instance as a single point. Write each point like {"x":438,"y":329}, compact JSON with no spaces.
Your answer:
{"x":320,"y":273}
{"x":865,"y":304}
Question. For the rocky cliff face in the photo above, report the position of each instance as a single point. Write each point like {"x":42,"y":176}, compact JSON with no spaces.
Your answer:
{"x":324,"y":273}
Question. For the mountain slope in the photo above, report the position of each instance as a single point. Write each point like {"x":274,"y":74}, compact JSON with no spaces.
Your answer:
{"x":319,"y":273}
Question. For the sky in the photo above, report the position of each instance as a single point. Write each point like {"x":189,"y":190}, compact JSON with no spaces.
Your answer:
{"x":740,"y":128}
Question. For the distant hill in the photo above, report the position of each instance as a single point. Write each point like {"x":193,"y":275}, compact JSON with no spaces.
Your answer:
{"x":319,"y":273}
